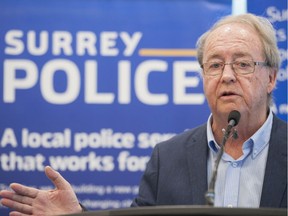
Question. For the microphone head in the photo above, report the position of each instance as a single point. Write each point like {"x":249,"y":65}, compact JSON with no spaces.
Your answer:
{"x":234,"y":115}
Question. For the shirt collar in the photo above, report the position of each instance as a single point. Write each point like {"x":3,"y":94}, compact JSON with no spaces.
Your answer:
{"x":262,"y":136}
{"x":210,"y":137}
{"x":259,"y":139}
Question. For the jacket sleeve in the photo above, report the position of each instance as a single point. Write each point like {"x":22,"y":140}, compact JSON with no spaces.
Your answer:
{"x":148,"y":186}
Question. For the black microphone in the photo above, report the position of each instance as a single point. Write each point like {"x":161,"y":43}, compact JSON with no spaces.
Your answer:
{"x":233,"y":120}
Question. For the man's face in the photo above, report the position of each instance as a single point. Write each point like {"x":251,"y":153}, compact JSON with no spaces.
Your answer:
{"x":228,"y":91}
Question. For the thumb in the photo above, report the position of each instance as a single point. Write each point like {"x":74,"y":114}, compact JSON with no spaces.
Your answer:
{"x":59,"y":182}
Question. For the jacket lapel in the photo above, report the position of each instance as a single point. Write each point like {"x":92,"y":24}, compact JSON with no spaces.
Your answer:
{"x":275,"y":179}
{"x":197,"y":152}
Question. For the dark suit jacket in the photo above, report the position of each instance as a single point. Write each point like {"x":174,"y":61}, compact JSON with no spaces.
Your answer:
{"x":177,"y":171}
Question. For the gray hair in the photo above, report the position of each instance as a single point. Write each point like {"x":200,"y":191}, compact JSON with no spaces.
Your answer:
{"x":265,"y":31}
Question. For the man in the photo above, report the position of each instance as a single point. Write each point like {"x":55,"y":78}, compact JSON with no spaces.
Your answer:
{"x":240,"y":61}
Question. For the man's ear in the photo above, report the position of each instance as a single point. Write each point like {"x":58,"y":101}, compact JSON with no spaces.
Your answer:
{"x":272,"y":80}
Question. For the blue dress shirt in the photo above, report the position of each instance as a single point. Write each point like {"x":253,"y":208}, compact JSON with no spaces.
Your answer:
{"x":239,"y":181}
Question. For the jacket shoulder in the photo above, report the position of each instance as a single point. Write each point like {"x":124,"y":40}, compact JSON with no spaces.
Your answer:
{"x":188,"y":137}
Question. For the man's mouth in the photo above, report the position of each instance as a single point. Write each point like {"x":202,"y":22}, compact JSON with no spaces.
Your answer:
{"x":226,"y":94}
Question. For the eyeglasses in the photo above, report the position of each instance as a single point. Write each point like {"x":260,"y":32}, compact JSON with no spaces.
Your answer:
{"x":239,"y":67}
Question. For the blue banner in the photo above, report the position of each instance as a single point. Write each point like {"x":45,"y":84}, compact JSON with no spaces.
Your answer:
{"x":276,"y":12}
{"x":89,"y":88}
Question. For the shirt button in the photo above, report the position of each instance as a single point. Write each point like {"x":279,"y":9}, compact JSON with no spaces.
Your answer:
{"x":234,"y":164}
{"x":230,"y":206}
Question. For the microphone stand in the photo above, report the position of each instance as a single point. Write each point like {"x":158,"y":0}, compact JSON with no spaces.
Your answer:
{"x":210,"y":194}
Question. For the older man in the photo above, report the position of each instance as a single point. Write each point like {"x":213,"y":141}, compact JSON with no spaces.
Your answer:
{"x":240,"y":61}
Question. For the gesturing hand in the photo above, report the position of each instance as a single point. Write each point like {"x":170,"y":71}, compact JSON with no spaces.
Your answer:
{"x":30,"y":201}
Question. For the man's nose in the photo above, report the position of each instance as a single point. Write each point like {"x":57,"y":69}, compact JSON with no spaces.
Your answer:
{"x":228,"y":73}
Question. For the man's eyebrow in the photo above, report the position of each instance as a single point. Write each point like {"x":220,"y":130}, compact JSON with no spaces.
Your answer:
{"x":234,"y":56}
{"x":242,"y":54}
{"x":214,"y":56}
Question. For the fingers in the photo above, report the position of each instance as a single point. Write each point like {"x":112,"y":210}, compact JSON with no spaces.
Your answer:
{"x":24,"y":190}
{"x":21,"y":203}
{"x":59,"y":182}
{"x":14,"y":213}
{"x":15,"y":197}
{"x":20,"y":199}
{"x":20,"y":207}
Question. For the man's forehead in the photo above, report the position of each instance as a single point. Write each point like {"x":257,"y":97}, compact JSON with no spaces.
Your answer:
{"x":237,"y":29}
{"x":238,"y":39}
